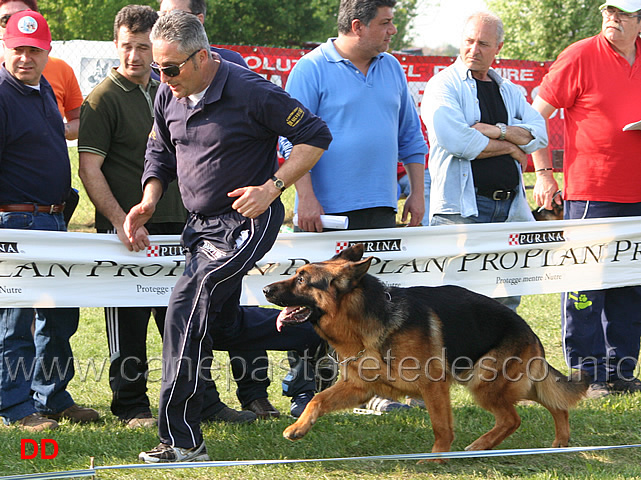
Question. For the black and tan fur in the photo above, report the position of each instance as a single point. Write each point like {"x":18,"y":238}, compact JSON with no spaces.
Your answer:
{"x":543,"y":214}
{"x":378,"y":329}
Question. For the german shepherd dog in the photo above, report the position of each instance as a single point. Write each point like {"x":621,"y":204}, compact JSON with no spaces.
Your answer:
{"x":417,"y":341}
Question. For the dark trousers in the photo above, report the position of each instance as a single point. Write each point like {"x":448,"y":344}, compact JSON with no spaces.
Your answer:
{"x":204,"y":314}
{"x":602,"y":328}
{"x":128,"y":370}
{"x":126,"y":329}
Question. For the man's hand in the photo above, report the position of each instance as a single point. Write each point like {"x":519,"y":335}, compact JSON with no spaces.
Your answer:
{"x":415,"y":202}
{"x":253,"y":201}
{"x":134,"y":227}
{"x":140,"y":214}
{"x":141,"y":239}
{"x":415,"y":208}
{"x":545,"y":188}
{"x":309,"y":212}
{"x":520,"y":156}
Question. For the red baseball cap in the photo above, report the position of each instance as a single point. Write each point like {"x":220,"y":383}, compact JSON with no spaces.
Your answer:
{"x":27,"y":29}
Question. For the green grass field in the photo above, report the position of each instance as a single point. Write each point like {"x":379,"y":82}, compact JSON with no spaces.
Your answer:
{"x":614,"y":420}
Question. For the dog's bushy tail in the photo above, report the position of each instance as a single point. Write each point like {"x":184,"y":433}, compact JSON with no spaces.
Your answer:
{"x":557,"y":391}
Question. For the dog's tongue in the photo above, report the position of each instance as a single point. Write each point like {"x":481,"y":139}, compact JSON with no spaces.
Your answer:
{"x":281,"y":316}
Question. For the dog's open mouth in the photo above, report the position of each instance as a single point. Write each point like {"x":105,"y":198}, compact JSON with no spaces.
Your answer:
{"x":292,"y":316}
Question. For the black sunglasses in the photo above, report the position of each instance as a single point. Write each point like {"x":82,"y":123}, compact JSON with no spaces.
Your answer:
{"x":4,"y":19}
{"x":171,"y":70}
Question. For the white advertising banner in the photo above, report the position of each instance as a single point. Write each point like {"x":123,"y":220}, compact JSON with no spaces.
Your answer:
{"x":80,"y":269}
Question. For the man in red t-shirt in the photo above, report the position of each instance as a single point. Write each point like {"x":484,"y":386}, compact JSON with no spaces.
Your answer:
{"x":597,"y":81}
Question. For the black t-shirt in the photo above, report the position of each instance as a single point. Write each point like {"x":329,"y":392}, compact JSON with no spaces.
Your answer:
{"x":493,"y":173}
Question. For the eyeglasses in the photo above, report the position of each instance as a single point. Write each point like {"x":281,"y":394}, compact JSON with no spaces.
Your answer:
{"x":614,"y":12}
{"x":171,"y":70}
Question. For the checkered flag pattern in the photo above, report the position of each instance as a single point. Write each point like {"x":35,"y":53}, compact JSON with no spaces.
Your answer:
{"x":340,"y":246}
{"x":153,"y":251}
{"x":514,"y":239}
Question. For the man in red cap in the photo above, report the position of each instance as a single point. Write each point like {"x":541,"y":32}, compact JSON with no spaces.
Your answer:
{"x":35,"y":178}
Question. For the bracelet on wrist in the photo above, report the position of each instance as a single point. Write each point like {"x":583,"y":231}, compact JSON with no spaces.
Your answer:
{"x":544,"y":169}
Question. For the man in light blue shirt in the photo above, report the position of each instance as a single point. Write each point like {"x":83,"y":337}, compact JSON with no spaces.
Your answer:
{"x":361,"y":92}
{"x":451,"y":111}
{"x":480,"y":130}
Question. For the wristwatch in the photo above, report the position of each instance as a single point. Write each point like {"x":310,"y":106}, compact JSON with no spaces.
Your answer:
{"x":278,"y":183}
{"x":503,"y":128}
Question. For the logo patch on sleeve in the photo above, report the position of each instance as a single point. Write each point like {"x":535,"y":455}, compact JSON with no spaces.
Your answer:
{"x":295,"y":116}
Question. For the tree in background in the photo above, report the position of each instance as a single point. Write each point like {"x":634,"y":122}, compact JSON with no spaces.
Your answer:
{"x":269,"y":22}
{"x":83,"y":19}
{"x":236,"y":22}
{"x":539,"y":30}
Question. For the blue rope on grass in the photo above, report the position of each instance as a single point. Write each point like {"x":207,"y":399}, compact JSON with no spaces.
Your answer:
{"x":238,"y":463}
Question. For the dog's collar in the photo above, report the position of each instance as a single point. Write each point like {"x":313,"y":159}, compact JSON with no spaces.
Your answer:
{"x":351,"y":359}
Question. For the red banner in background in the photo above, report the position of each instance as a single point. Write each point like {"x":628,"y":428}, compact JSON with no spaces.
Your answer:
{"x":275,"y":64}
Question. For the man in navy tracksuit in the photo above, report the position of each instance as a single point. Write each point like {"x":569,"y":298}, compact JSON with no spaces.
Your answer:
{"x":215,"y":130}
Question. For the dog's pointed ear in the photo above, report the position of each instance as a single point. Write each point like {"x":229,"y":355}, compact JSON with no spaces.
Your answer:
{"x":351,"y":274}
{"x":361,"y":268}
{"x":351,"y":254}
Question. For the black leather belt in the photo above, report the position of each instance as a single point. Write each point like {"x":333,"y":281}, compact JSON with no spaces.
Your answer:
{"x":32,"y":208}
{"x":497,"y":194}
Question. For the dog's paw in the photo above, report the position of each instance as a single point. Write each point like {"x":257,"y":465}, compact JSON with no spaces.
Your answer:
{"x":295,"y":432}
{"x":476,"y":446}
{"x":440,"y":461}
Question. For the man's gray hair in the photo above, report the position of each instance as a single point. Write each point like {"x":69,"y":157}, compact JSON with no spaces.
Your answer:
{"x":492,"y":19}
{"x":363,"y":10}
{"x":183,"y":29}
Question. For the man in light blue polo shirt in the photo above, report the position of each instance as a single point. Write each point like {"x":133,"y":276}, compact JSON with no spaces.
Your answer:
{"x":361,"y":92}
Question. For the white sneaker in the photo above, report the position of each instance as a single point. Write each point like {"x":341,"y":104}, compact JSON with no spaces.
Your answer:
{"x":380,"y":404}
{"x":164,"y":453}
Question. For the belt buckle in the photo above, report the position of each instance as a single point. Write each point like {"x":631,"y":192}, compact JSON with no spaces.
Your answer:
{"x":51,"y":209}
{"x":501,"y":195}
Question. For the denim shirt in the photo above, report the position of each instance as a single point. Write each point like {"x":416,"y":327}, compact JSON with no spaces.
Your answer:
{"x":449,"y":109}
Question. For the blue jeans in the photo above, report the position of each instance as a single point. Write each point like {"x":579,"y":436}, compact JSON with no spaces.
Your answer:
{"x":404,"y":190}
{"x":601,"y":328}
{"x":35,"y":368}
{"x":490,"y":211}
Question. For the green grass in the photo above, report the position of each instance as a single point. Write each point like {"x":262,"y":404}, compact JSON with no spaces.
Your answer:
{"x":609,"y":421}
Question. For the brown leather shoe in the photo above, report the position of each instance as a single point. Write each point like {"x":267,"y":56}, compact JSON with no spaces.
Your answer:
{"x":141,"y":420}
{"x":263,"y":408}
{"x":76,"y":413}
{"x":34,"y":423}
